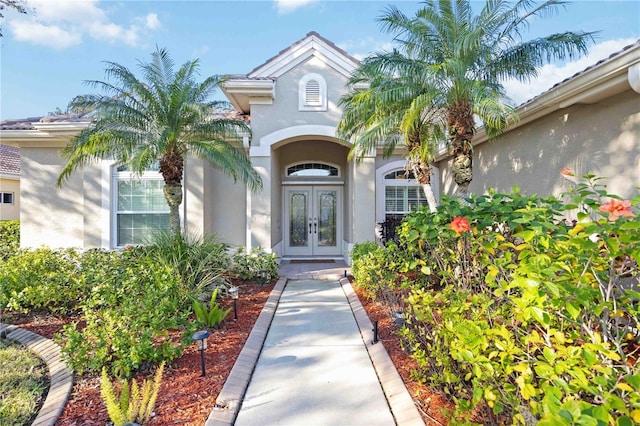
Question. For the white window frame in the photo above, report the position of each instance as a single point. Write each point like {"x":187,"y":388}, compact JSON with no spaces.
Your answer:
{"x":288,"y":166}
{"x":117,"y":176}
{"x":12,"y":195}
{"x":381,"y":184}
{"x":321,"y":104}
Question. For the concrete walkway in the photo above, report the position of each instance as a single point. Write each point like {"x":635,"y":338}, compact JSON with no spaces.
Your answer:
{"x":310,"y":361}
{"x":314,"y":368}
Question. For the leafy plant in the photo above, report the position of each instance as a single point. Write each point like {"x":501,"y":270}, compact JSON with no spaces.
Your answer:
{"x":41,"y":279}
{"x":128,"y":319}
{"x":135,"y":403}
{"x":212,"y":316}
{"x":9,"y":238}
{"x":200,"y":261}
{"x":248,"y":266}
{"x":515,"y":310}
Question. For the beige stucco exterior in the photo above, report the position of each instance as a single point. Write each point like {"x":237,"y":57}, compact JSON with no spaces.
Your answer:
{"x":590,"y":123}
{"x":12,"y":186}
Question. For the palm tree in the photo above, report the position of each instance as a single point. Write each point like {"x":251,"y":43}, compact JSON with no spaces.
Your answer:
{"x":160,"y":120}
{"x":463,"y":59}
{"x":388,"y":111}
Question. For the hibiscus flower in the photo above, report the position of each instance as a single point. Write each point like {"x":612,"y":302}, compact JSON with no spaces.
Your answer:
{"x":460,"y":224}
{"x":567,"y":172}
{"x":617,"y":208}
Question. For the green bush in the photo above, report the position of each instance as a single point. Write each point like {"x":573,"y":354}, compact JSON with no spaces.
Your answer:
{"x":212,"y":315}
{"x":41,"y":279}
{"x":248,"y":266}
{"x":519,"y":312}
{"x":9,"y":238}
{"x":201,"y":262}
{"x":128,"y":319}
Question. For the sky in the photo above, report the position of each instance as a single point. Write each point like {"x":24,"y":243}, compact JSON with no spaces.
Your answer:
{"x":47,"y":55}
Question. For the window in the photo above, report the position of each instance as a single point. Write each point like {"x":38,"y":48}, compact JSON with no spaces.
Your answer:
{"x":6,"y":197}
{"x":312,"y":169}
{"x":140,"y":206}
{"x":312,"y":93}
{"x":402,"y":194}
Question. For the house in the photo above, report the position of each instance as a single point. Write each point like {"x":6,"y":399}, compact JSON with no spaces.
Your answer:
{"x":9,"y":182}
{"x":316,"y":203}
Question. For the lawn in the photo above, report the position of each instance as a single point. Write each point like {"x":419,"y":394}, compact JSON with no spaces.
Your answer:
{"x":23,"y":384}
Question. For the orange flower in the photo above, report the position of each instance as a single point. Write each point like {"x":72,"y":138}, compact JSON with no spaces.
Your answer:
{"x":460,"y":224}
{"x":617,"y":208}
{"x":567,"y":172}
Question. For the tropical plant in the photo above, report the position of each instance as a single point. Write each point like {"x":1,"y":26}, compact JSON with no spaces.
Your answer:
{"x":135,"y":403}
{"x":212,"y":316}
{"x":161,"y":119}
{"x":201,"y":261}
{"x":248,"y":266}
{"x":460,"y":61}
{"x":524,"y":315}
{"x":386,"y":112}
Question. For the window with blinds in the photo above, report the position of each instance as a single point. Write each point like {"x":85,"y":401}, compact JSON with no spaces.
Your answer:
{"x":402,"y":194}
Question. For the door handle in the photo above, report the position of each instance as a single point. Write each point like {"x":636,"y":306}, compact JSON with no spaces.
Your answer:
{"x":310,"y":225}
{"x":315,"y":226}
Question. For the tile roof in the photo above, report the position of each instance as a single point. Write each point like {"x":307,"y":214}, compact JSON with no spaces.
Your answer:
{"x":309,"y":34}
{"x":9,"y":160}
{"x":27,"y":123}
{"x":584,"y":71}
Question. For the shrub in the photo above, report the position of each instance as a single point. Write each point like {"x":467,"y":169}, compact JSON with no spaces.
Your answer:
{"x":523,"y":314}
{"x":41,"y":279}
{"x":9,"y":238}
{"x":248,"y":266}
{"x":128,"y":319}
{"x":200,"y":261}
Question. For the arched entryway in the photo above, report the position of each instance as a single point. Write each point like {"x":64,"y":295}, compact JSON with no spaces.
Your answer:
{"x":314,"y":180}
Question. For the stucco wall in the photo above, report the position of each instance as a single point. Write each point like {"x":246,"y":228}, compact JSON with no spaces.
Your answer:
{"x":284,"y":111}
{"x":224,"y":207}
{"x":602,"y":138}
{"x":49,"y":216}
{"x":10,"y":211}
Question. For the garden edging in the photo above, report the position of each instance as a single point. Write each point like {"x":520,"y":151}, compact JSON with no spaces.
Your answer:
{"x":60,"y":375}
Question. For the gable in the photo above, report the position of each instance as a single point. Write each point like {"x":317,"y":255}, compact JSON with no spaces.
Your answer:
{"x":313,"y":45}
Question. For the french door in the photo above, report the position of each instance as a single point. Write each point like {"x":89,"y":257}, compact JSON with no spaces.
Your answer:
{"x":313,"y":220}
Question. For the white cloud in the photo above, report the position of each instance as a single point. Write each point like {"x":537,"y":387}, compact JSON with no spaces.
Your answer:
{"x":152,"y":21}
{"x":65,"y":23}
{"x":45,"y":35}
{"x":550,"y":75}
{"x":288,"y":6}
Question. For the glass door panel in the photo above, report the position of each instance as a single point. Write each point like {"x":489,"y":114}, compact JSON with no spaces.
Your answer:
{"x":298,"y":235}
{"x":326,"y":218}
{"x":312,"y":221}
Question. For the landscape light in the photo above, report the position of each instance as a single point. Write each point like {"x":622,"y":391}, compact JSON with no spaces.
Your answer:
{"x":200,"y":337}
{"x":234,"y":292}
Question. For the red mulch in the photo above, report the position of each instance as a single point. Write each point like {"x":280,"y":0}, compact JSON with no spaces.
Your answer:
{"x":430,"y":403}
{"x":186,"y":398}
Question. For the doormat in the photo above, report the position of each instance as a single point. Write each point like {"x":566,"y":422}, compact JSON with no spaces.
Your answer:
{"x":314,"y":261}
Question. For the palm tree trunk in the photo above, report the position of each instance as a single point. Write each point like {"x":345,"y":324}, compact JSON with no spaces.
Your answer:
{"x":173,"y":195}
{"x":422,"y":171}
{"x":171,"y":168}
{"x":461,"y":130}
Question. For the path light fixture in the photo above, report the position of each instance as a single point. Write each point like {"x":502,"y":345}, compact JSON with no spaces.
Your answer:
{"x":263,"y":276}
{"x":200,"y":337}
{"x":375,"y":332}
{"x":234,"y":292}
